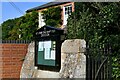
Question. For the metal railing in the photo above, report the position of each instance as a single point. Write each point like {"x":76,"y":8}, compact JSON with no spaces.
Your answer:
{"x":16,"y":41}
{"x":98,"y":62}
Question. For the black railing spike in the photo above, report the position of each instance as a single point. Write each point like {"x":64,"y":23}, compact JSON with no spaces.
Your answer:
{"x":104,"y":57}
{"x":16,"y":41}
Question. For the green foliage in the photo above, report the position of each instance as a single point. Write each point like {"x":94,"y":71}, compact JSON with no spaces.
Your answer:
{"x":29,"y":25}
{"x":24,"y":26}
{"x":7,"y":27}
{"x":98,"y":23}
{"x":52,"y":16}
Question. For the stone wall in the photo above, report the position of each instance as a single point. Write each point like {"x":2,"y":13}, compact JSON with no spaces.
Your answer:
{"x":28,"y":68}
{"x":73,"y":59}
{"x":73,"y":62}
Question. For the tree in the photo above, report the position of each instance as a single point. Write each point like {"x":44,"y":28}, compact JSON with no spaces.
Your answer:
{"x":98,"y":22}
{"x":25,"y":26}
{"x":7,"y":26}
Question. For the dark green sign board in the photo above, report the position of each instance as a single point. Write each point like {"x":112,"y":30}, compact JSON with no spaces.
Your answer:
{"x":48,"y":42}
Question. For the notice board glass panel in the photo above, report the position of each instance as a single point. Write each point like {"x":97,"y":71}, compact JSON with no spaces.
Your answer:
{"x":46,"y":53}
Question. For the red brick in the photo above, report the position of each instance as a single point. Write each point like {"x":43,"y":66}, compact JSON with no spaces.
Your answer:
{"x":15,"y":59}
{"x":6,"y":51}
{"x":7,"y":63}
{"x":6,"y":59}
{"x":16,"y":67}
{"x":6,"y":75}
{"x":6,"y":69}
{"x":11,"y":58}
{"x":6,"y":54}
{"x":8,"y":66}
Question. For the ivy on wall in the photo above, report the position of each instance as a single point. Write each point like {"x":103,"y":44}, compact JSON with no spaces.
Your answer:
{"x":52,"y":16}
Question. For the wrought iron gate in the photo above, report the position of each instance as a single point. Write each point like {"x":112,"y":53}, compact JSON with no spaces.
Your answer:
{"x":98,"y":62}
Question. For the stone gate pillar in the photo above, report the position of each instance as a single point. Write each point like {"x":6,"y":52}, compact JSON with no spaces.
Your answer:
{"x":73,"y":62}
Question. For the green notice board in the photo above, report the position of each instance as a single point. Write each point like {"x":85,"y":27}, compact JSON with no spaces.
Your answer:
{"x":46,"y":53}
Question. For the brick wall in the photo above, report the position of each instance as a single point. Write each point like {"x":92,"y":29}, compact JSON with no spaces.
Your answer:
{"x":11,"y":58}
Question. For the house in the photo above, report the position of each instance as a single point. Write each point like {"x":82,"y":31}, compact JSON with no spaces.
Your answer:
{"x":66,"y":7}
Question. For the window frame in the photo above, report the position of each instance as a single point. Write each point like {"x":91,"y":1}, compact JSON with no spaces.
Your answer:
{"x":67,"y":10}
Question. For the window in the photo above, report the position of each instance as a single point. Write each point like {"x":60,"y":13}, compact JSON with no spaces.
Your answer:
{"x":67,"y":11}
{"x":41,"y":20}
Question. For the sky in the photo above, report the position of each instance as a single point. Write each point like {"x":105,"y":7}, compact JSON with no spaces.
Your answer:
{"x":10,"y":12}
{"x":7,"y":11}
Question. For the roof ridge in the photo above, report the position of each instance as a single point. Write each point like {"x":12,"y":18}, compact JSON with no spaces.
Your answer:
{"x":45,"y":6}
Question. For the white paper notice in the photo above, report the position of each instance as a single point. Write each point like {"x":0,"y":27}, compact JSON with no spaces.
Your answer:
{"x":47,"y":53}
{"x":47,"y":46}
{"x":40,"y":46}
{"x":53,"y":54}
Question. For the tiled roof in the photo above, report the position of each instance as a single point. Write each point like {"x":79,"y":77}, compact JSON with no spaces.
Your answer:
{"x":45,"y":6}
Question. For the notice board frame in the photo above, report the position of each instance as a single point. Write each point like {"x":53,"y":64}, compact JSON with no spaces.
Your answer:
{"x":56,"y":36}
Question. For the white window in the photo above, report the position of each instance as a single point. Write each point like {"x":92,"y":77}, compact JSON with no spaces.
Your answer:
{"x":67,"y":10}
{"x":41,"y":20}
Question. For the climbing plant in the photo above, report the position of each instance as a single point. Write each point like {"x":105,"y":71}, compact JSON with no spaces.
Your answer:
{"x":52,"y":16}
